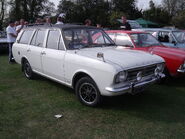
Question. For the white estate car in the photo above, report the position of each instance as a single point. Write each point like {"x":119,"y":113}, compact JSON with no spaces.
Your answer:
{"x":86,"y":59}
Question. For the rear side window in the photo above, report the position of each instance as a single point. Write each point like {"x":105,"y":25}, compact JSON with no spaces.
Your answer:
{"x":53,"y":39}
{"x":26,"y":36}
{"x":123,"y":40}
{"x":38,"y":39}
{"x":112,"y":36}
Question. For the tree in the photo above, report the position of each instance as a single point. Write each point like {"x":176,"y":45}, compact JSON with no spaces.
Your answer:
{"x":173,"y":7}
{"x":2,"y":12}
{"x":96,"y":10}
{"x":157,"y":14}
{"x":178,"y":20}
{"x":128,"y":7}
{"x":30,"y":9}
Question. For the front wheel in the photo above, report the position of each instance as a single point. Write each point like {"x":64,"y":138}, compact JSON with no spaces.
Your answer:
{"x":27,"y":70}
{"x":87,"y":92}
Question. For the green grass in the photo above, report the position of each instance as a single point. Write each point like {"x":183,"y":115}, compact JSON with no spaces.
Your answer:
{"x":27,"y":109}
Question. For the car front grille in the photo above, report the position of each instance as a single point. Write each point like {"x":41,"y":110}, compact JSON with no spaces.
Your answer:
{"x":146,"y":71}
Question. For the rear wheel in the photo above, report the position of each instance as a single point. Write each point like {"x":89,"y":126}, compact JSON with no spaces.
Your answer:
{"x":87,"y":92}
{"x":27,"y":70}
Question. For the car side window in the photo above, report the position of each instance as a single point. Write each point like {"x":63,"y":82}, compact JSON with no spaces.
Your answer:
{"x":163,"y":36}
{"x":53,"y":39}
{"x":38,"y":39}
{"x":100,"y":39}
{"x":112,"y":36}
{"x":123,"y":40}
{"x":171,"y":39}
{"x":26,"y":36}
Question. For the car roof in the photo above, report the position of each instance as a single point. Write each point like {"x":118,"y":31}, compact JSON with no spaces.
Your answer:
{"x":159,"y":29}
{"x":124,"y":31}
{"x":62,"y":27}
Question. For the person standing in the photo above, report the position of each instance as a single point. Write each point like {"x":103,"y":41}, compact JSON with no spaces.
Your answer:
{"x":17,"y":23}
{"x":60,"y":19}
{"x":125,"y":25}
{"x":21,"y":26}
{"x":11,"y":37}
{"x":88,"y":22}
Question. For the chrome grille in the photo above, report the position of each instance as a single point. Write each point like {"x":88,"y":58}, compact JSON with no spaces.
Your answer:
{"x":146,"y":71}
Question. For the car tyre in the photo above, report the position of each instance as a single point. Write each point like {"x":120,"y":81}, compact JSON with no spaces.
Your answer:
{"x":87,"y":92}
{"x":27,"y":70}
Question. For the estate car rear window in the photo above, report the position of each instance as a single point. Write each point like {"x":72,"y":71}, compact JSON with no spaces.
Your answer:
{"x":38,"y":38}
{"x":26,"y":36}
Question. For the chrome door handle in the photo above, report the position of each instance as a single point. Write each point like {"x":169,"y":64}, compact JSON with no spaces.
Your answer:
{"x":43,"y":53}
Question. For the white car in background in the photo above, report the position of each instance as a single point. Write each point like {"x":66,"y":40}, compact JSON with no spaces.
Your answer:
{"x":86,"y":59}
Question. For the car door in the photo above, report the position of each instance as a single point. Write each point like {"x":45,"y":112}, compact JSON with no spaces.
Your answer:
{"x":22,"y":44}
{"x":53,"y":55}
{"x":35,"y":49}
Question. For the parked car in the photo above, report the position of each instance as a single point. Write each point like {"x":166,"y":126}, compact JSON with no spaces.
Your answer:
{"x":71,"y":55}
{"x":167,"y":36}
{"x":174,"y":58}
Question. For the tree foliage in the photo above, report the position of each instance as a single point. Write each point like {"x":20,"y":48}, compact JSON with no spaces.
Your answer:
{"x":173,"y":7}
{"x":30,"y":9}
{"x":99,"y":11}
{"x":3,"y":5}
{"x":179,"y":20}
{"x":157,"y":14}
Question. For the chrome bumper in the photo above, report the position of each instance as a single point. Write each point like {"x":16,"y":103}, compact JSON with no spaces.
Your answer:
{"x":181,"y":70}
{"x":132,"y":87}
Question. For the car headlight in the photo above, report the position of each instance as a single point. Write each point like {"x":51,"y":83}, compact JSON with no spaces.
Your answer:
{"x":121,"y":77}
{"x":159,"y":69}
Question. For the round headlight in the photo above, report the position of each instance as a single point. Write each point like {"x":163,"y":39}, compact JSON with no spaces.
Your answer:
{"x":121,"y":76}
{"x":156,"y":72}
{"x":160,"y":67}
{"x":139,"y":76}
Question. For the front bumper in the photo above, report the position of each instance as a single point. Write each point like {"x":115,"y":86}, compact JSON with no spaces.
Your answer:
{"x":181,"y":70}
{"x":133,"y":87}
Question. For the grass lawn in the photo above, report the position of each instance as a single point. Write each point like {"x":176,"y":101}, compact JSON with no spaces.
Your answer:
{"x":27,"y":109}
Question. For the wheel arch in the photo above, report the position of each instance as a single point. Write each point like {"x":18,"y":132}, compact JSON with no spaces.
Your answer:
{"x":77,"y":76}
{"x":23,"y":59}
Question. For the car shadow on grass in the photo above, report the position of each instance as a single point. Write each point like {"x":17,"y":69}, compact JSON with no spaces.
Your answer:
{"x":54,"y":83}
{"x":164,"y":103}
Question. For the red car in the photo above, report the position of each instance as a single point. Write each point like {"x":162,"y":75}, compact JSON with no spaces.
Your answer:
{"x":175,"y":58}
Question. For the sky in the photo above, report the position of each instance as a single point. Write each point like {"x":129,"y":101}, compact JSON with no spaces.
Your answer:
{"x":142,"y":4}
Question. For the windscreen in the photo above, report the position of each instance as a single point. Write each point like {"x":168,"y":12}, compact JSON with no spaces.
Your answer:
{"x":180,"y":36}
{"x":86,"y":38}
{"x":144,"y":40}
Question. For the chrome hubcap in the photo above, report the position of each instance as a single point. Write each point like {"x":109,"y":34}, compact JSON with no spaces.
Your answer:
{"x":88,"y":93}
